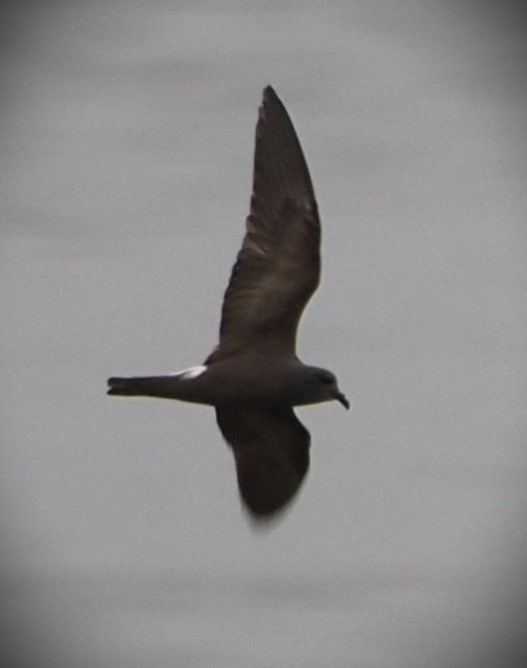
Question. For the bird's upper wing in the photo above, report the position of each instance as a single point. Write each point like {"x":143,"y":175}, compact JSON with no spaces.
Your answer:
{"x":278,"y":266}
{"x":271,"y":450}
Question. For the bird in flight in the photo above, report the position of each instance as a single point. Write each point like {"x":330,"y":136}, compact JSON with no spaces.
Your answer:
{"x":253,"y":377}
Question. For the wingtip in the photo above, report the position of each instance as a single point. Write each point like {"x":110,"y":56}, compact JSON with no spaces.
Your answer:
{"x":271,"y":103}
{"x":269,"y":93}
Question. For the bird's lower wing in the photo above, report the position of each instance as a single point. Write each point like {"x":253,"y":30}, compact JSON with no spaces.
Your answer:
{"x":271,"y":450}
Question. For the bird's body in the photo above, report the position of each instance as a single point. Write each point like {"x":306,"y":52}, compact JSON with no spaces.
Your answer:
{"x":253,"y":377}
{"x":245,"y":381}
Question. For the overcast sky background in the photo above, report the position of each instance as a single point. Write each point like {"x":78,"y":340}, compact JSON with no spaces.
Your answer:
{"x":126,"y":133}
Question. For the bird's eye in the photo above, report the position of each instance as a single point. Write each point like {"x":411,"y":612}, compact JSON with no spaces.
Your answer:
{"x":327,"y":379}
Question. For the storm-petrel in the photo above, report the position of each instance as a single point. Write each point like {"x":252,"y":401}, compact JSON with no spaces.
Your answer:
{"x":253,"y":377}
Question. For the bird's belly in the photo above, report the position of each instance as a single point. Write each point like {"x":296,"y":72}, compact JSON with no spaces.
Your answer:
{"x":246,"y":384}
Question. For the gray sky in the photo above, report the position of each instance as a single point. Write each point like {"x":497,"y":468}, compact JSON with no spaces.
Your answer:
{"x":127,"y":140}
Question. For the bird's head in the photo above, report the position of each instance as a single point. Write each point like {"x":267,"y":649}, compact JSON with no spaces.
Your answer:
{"x":325,"y":386}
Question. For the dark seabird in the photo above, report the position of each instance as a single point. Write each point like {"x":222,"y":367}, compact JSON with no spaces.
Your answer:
{"x":253,"y":378}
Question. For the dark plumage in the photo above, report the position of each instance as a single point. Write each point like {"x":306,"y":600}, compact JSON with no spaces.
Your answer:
{"x":253,"y":377}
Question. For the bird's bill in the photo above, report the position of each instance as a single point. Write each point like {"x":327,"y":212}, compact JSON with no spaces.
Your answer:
{"x":342,"y":399}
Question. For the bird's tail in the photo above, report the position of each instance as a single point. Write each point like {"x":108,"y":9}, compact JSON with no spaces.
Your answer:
{"x":147,"y":386}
